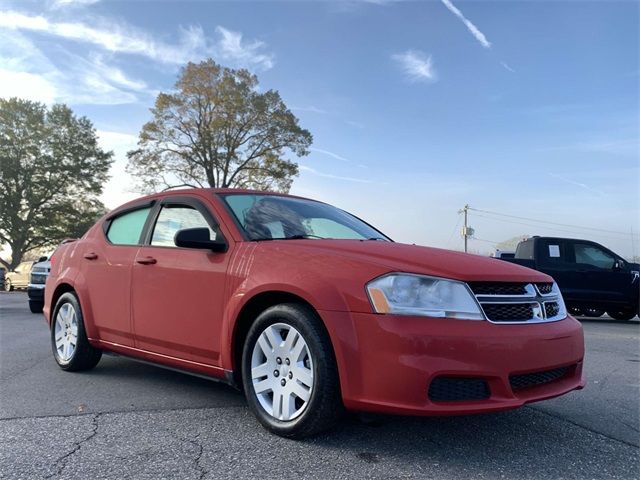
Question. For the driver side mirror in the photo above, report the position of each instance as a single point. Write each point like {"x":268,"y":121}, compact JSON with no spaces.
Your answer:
{"x":198,"y":238}
{"x":619,"y":265}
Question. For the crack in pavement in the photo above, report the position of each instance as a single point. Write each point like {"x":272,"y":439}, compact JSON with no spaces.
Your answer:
{"x":61,"y":462}
{"x":147,"y":410}
{"x":199,"y":451}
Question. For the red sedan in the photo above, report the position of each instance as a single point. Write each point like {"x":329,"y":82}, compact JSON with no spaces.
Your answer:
{"x":309,"y":310}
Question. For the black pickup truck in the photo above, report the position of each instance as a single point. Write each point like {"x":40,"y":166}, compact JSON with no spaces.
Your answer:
{"x":592,"y":278}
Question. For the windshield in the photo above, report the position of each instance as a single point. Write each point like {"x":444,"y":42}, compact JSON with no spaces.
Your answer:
{"x":271,"y":217}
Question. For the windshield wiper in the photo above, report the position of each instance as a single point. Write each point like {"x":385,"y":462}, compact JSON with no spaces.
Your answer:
{"x":291,"y":237}
{"x":298,"y":237}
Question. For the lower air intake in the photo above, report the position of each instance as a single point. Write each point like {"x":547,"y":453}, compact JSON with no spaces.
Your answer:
{"x":456,"y":389}
{"x":527,"y":380}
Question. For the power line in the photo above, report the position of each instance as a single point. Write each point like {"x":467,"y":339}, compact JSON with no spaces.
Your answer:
{"x":573,"y":232}
{"x":454,"y":229}
{"x":580,"y":227}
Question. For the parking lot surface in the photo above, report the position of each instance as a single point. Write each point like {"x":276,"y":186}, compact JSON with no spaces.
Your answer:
{"x":130,"y":420}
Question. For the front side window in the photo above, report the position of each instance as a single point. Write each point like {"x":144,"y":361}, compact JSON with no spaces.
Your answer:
{"x":174,"y":218}
{"x":594,"y":256}
{"x":266,"y":217}
{"x":126,"y":229}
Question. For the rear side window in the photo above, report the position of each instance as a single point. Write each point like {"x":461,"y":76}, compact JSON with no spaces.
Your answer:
{"x":524,"y":250}
{"x":552,"y":252}
{"x":127,"y":228}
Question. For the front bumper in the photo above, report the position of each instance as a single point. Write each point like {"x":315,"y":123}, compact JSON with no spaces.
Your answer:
{"x":387,"y":363}
{"x":35,"y":292}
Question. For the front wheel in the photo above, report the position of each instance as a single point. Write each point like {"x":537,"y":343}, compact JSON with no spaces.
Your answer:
{"x":626,"y":314}
{"x":289,"y":372}
{"x":593,"y":312}
{"x":71,"y":348}
{"x":7,"y":285}
{"x":36,"y":306}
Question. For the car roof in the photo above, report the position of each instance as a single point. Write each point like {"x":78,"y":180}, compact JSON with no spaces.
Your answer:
{"x":182,"y":191}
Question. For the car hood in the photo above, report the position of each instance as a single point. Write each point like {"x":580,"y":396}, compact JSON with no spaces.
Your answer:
{"x":401,"y":257}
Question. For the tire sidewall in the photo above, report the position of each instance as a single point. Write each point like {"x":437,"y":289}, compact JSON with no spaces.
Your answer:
{"x":73,"y":300}
{"x":298,"y":320}
{"x":623,"y":314}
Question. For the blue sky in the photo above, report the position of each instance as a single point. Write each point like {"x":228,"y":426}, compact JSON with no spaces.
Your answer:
{"x":417,"y":108}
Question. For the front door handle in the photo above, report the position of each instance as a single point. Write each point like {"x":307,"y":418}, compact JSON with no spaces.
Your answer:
{"x":146,"y":260}
{"x":90,"y":256}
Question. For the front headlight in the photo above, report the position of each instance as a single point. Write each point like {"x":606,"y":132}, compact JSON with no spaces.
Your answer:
{"x":409,"y":294}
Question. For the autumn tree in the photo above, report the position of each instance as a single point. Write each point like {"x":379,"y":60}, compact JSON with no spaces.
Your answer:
{"x":51,"y":173}
{"x":217,"y":129}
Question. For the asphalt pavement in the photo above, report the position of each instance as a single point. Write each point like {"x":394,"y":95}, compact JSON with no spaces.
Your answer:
{"x":130,"y":420}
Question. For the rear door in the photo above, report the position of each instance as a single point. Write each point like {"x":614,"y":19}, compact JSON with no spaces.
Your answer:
{"x":552,"y":258}
{"x":178,"y":293}
{"x":107,"y":259}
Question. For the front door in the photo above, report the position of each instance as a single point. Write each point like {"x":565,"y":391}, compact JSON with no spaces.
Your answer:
{"x":178,"y":293}
{"x":601,"y":280}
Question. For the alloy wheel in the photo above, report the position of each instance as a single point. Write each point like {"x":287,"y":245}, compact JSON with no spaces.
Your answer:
{"x":66,"y":332}
{"x":282,"y":371}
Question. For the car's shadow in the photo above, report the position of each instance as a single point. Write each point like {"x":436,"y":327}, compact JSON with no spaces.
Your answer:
{"x":524,"y":443}
{"x":633,"y":321}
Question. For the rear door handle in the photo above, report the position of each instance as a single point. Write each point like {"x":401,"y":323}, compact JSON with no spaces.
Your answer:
{"x":90,"y":256}
{"x":146,"y":260}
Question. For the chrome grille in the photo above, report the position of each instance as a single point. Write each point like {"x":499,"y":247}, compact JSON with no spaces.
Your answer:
{"x":507,"y":312}
{"x":544,"y":288}
{"x":498,"y":288}
{"x":551,"y":309}
{"x":519,"y":302}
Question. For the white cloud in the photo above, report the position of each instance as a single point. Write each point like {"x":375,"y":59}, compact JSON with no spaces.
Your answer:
{"x":313,"y":171}
{"x":26,"y":72}
{"x":231,"y":47}
{"x":479,"y":36}
{"x":26,"y":85}
{"x":118,"y":189}
{"x":330,"y":154}
{"x":71,"y":3}
{"x":355,"y":124}
{"x":416,"y":65}
{"x":577,"y":184}
{"x":125,"y":39}
{"x":507,"y":67}
{"x":310,"y":108}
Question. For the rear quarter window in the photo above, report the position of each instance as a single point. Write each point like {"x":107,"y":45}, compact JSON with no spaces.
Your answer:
{"x":126,"y":229}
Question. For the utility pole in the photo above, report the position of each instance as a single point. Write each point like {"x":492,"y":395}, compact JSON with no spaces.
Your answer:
{"x":466,"y":231}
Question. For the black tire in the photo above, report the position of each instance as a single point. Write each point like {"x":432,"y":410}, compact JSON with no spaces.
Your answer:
{"x":7,"y":285}
{"x":84,"y":357}
{"x":593,"y":312}
{"x":324,"y":407}
{"x":36,"y":306}
{"x":623,"y":314}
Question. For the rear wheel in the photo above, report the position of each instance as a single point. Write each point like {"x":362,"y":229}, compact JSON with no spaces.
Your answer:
{"x":289,"y":372}
{"x":71,"y":348}
{"x":593,"y":312}
{"x":626,"y":314}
